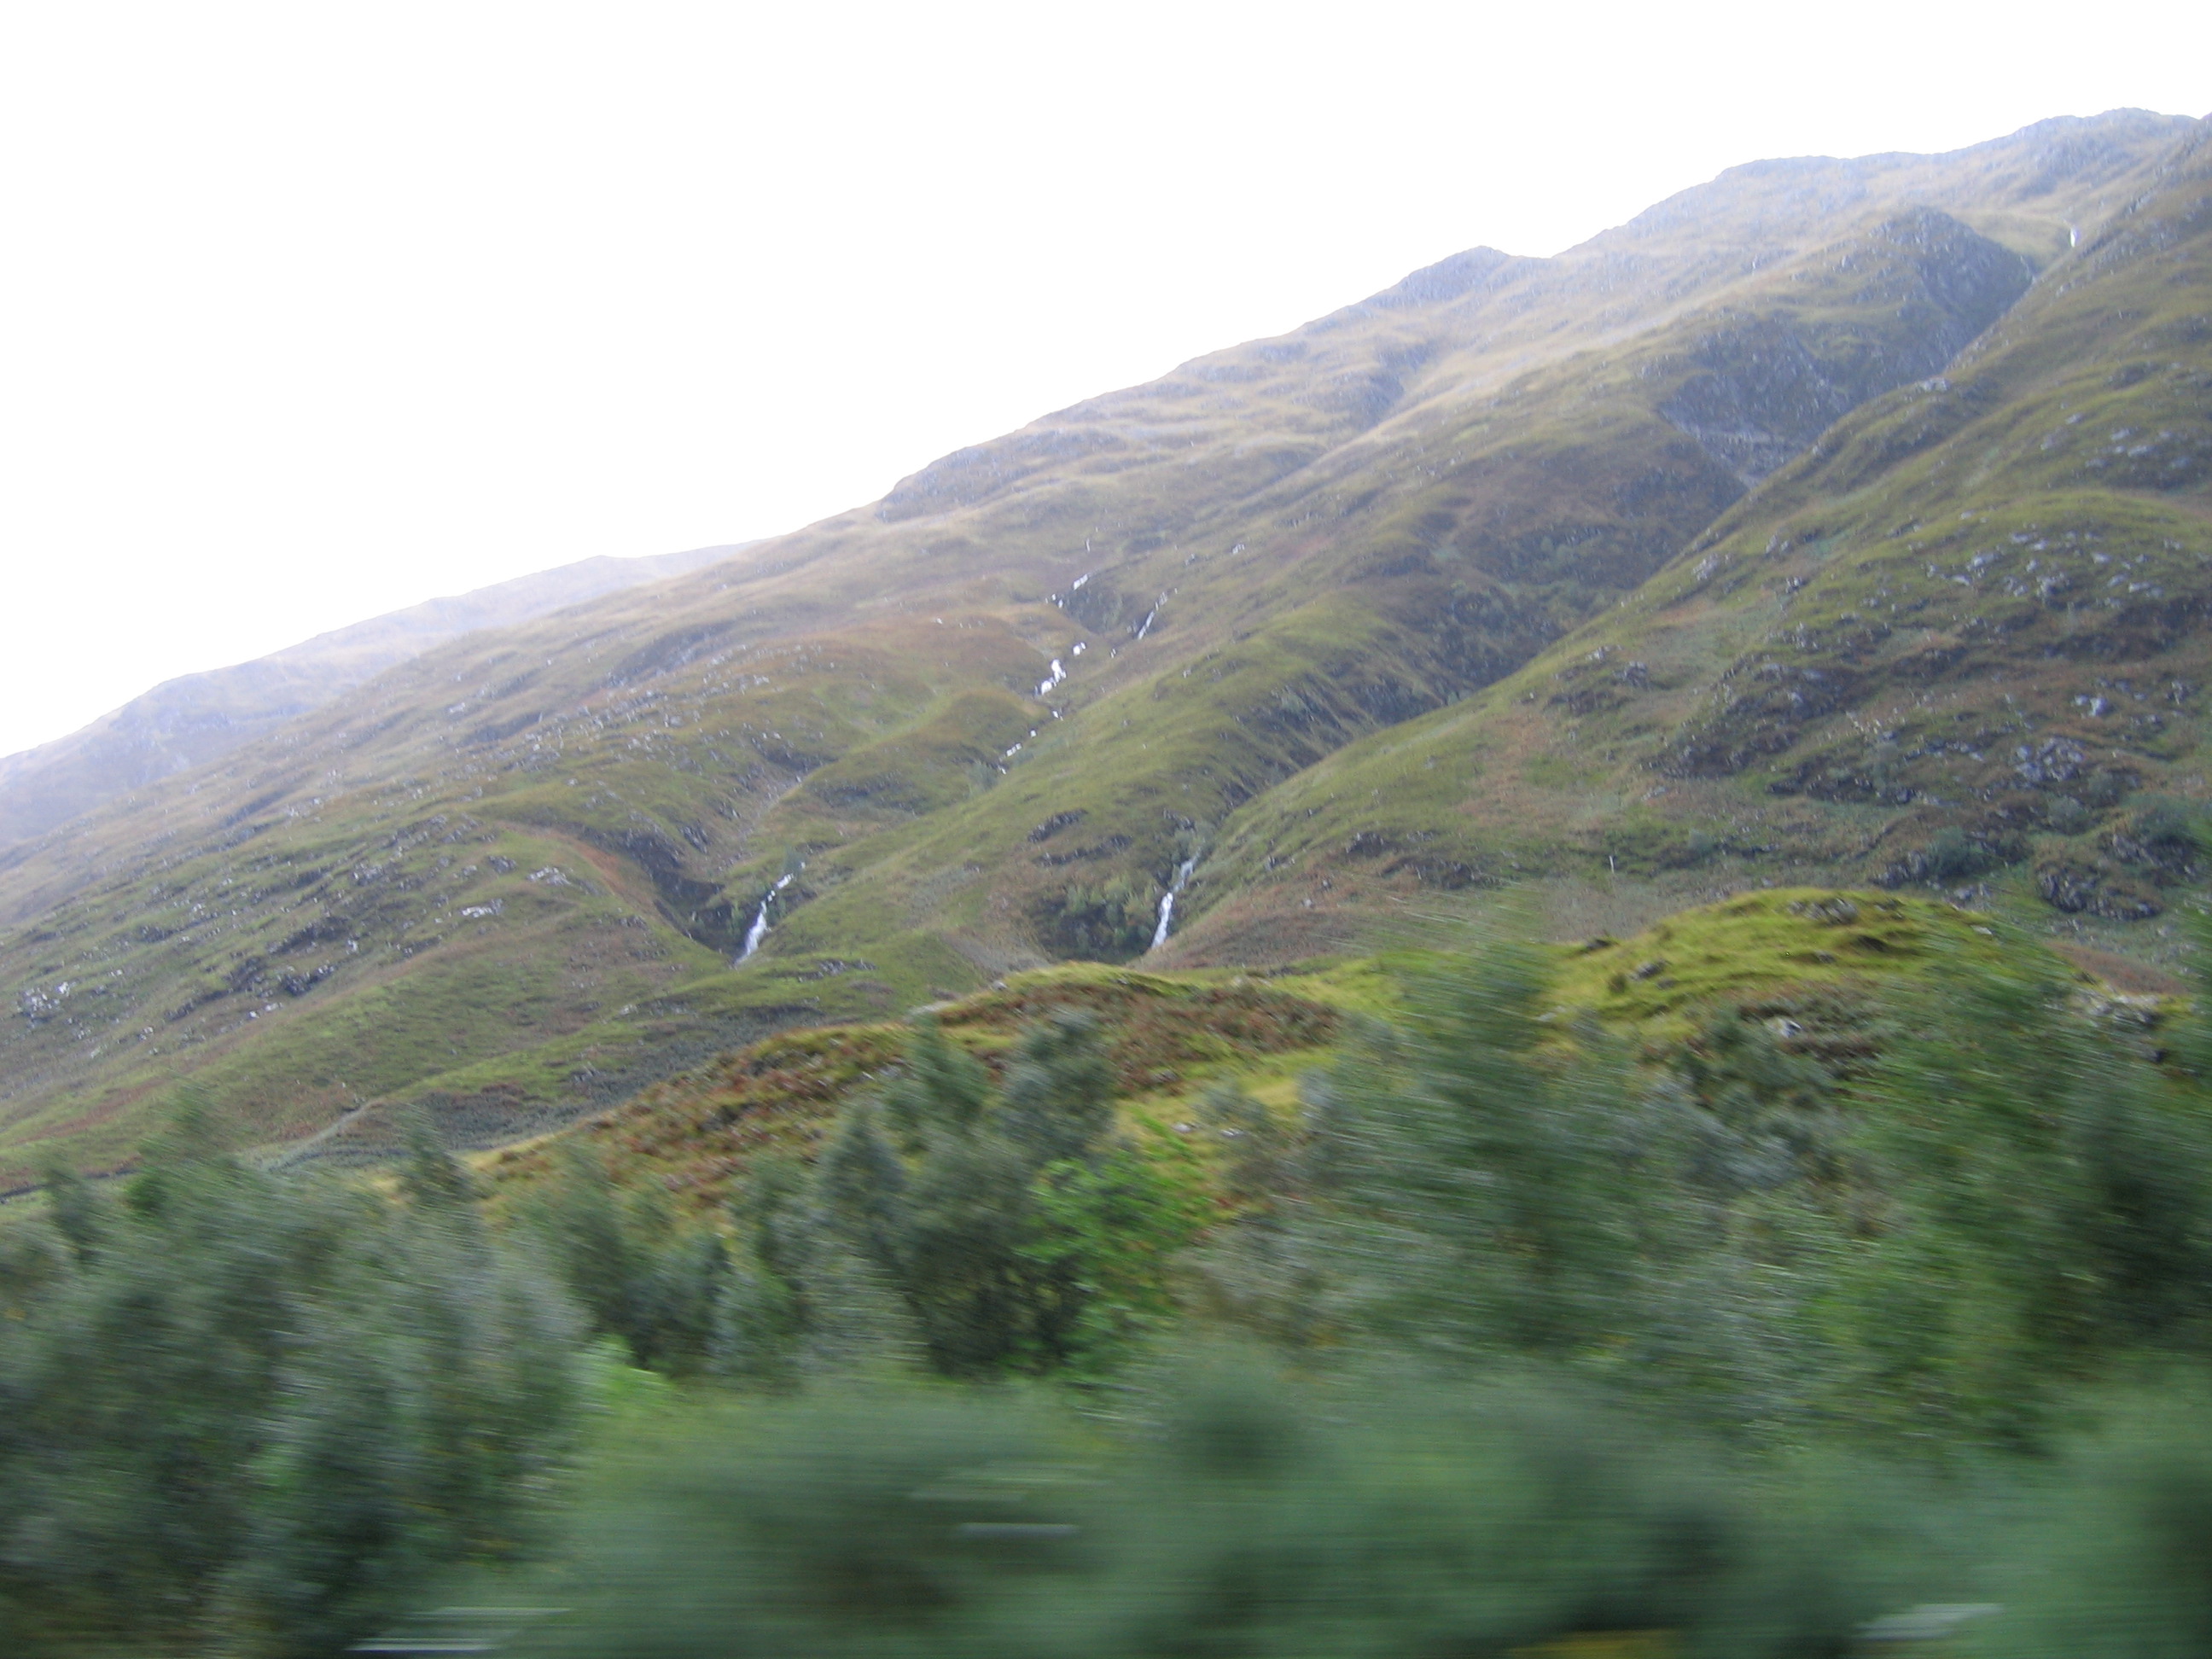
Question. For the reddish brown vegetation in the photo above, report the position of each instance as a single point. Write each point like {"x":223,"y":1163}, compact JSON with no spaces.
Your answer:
{"x":696,"y":1133}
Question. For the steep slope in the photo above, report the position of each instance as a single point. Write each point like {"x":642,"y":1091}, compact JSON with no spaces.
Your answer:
{"x":1537,"y":508}
{"x":510,"y":876}
{"x":1961,"y":641}
{"x":187,"y":721}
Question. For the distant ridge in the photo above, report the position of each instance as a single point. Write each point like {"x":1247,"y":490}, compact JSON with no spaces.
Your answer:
{"x":195,"y":718}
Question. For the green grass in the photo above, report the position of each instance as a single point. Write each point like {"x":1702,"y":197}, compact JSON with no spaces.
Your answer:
{"x":1761,"y":944}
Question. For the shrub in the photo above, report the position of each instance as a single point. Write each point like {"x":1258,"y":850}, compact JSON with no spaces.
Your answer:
{"x":2066,"y":816}
{"x":1013,"y":1231}
{"x":858,"y":1523}
{"x":1951,"y":856}
{"x":2120,"y":1558}
{"x":638,"y":1273}
{"x":1237,"y":1515}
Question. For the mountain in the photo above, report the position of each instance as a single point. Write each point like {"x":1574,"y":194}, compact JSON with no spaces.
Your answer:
{"x":186,"y":721}
{"x":1583,"y":575}
{"x":1959,"y":640}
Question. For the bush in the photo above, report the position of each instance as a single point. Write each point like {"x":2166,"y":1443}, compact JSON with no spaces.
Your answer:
{"x":1017,"y":1233}
{"x":1951,"y":856}
{"x":904,"y":1523}
{"x":1411,"y":1518}
{"x":2066,"y":816}
{"x":2038,"y":1214}
{"x":639,"y":1273}
{"x":2164,"y":825}
{"x":1473,"y":1195}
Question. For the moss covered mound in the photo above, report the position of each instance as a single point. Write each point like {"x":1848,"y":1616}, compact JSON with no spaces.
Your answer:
{"x":1766,"y":946}
{"x":1811,"y":957}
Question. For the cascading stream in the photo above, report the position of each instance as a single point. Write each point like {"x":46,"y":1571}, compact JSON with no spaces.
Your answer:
{"x":758,"y":931}
{"x":1167,"y":901}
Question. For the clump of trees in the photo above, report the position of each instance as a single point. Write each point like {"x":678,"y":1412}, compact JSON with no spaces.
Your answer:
{"x":1110,"y":921}
{"x":976,"y":1229}
{"x":251,"y":1415}
{"x":1936,"y":1249}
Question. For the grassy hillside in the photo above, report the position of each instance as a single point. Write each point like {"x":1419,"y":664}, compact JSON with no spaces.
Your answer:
{"x":1959,"y":644}
{"x":1299,"y":594}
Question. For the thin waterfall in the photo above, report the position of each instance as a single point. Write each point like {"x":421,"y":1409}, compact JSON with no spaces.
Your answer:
{"x":1167,"y":901}
{"x":758,"y":931}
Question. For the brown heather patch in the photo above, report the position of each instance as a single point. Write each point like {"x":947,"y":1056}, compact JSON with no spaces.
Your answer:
{"x":1157,"y":1030}
{"x":2123,"y":974}
{"x":697,"y":1133}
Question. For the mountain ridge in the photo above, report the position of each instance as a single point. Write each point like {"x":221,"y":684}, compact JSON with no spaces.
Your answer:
{"x":192,"y":719}
{"x":1828,"y":525}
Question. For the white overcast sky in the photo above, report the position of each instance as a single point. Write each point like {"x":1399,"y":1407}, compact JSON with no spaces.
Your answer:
{"x":309,"y":311}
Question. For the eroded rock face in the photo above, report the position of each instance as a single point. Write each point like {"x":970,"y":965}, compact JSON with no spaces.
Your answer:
{"x":1764,"y":388}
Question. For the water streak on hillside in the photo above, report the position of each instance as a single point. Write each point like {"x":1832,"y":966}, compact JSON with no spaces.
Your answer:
{"x":758,"y":931}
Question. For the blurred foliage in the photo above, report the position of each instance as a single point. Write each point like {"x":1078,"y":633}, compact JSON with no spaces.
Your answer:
{"x":1235,"y":1514}
{"x":2047,"y":1197}
{"x":1739,"y":1336}
{"x":638,"y":1270}
{"x":2115,"y":1555}
{"x":1926,"y":1222}
{"x":263,"y":1411}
